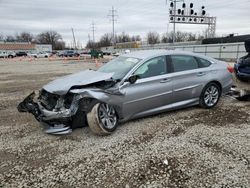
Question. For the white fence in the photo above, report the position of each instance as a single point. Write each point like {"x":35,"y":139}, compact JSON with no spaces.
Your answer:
{"x":225,"y":51}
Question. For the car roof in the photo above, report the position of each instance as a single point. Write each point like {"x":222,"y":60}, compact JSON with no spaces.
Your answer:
{"x":145,"y":54}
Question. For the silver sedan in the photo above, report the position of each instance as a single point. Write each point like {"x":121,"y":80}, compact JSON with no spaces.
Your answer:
{"x":130,"y":86}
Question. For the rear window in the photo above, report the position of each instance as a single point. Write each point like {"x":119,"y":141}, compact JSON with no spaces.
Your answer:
{"x":183,"y":63}
{"x":203,"y":62}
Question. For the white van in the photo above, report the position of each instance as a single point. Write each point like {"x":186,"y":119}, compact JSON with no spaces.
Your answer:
{"x":7,"y":54}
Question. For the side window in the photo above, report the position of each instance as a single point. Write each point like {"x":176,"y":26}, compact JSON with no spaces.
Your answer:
{"x":153,"y":67}
{"x":203,"y":62}
{"x":183,"y":63}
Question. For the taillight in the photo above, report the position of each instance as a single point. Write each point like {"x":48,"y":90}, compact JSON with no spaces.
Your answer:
{"x":230,"y":69}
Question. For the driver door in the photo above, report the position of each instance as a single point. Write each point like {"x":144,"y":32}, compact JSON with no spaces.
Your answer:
{"x":153,"y":88}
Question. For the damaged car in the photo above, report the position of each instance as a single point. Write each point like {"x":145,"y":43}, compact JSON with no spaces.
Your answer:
{"x":133,"y":85}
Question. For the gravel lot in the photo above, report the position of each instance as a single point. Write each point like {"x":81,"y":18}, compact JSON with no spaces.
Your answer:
{"x":185,"y":148}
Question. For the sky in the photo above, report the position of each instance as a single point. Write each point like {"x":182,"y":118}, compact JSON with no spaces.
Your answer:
{"x":135,"y":17}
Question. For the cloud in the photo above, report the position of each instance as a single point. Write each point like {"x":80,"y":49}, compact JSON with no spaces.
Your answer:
{"x":134,"y":17}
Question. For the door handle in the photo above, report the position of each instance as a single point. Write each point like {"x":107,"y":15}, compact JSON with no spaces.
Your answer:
{"x":201,"y":74}
{"x":165,"y":80}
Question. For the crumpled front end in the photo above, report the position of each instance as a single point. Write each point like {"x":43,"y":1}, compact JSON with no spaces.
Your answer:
{"x":62,"y":104}
{"x":53,"y":111}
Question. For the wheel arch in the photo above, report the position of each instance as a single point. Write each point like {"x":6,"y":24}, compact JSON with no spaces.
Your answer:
{"x":86,"y":104}
{"x":202,"y":101}
{"x":216,"y":82}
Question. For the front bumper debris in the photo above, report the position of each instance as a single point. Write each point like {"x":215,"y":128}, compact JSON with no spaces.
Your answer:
{"x":28,"y":105}
{"x":46,"y":117}
{"x":58,"y":129}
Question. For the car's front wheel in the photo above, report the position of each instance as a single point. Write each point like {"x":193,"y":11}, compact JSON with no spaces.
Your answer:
{"x":210,"y":95}
{"x":102,"y":119}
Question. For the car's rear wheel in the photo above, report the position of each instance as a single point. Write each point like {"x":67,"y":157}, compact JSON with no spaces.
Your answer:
{"x":210,"y":95}
{"x":102,"y":119}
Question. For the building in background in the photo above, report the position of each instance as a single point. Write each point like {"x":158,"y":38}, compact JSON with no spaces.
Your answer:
{"x":24,"y":47}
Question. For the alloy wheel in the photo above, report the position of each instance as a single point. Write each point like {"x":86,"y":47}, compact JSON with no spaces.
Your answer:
{"x":107,"y":116}
{"x":211,"y":95}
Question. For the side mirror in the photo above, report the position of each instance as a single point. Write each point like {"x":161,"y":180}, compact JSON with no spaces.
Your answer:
{"x":132,"y":79}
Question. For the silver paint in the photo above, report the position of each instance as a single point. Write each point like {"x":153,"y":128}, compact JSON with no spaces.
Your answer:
{"x":146,"y":96}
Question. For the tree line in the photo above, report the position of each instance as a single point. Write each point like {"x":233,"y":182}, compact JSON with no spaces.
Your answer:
{"x":151,"y":38}
{"x":107,"y":40}
{"x":55,"y":39}
{"x":46,"y":37}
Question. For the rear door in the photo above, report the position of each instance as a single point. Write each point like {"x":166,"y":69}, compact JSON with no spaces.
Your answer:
{"x":153,"y":88}
{"x":189,"y":77}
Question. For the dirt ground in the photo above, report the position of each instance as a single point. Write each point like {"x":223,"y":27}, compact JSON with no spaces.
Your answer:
{"x":185,"y":148}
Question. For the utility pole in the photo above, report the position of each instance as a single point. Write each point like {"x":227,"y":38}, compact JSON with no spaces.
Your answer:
{"x":113,"y":15}
{"x":93,"y":31}
{"x":74,"y":37}
{"x":89,"y":37}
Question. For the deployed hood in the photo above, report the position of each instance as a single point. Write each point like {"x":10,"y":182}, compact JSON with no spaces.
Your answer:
{"x":62,"y":85}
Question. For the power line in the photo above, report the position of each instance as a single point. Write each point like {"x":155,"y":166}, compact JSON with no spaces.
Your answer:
{"x":113,"y":15}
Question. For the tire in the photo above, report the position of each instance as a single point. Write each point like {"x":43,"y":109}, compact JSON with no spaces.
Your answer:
{"x":102,"y":119}
{"x":210,"y":95}
{"x":10,"y":56}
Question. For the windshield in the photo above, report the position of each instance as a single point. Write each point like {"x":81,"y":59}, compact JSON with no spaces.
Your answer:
{"x":120,"y":66}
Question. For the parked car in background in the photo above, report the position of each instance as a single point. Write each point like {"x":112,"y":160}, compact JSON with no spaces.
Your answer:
{"x":130,"y":86}
{"x":116,"y":54}
{"x":39,"y":55}
{"x":20,"y":54}
{"x":32,"y":54}
{"x":60,"y":53}
{"x":7,"y":54}
{"x":242,"y":69}
{"x":69,"y":53}
{"x":242,"y":66}
{"x":84,"y":53}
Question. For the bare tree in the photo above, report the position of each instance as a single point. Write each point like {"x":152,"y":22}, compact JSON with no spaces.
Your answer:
{"x":179,"y":36}
{"x":1,"y":37}
{"x":201,"y":36}
{"x":10,"y":38}
{"x":166,"y":38}
{"x":49,"y":37}
{"x":136,"y":38}
{"x":191,"y":37}
{"x":153,"y":37}
{"x":91,"y":45}
{"x":105,"y":40}
{"x":123,"y":38}
{"x":24,"y":37}
{"x":59,"y":45}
